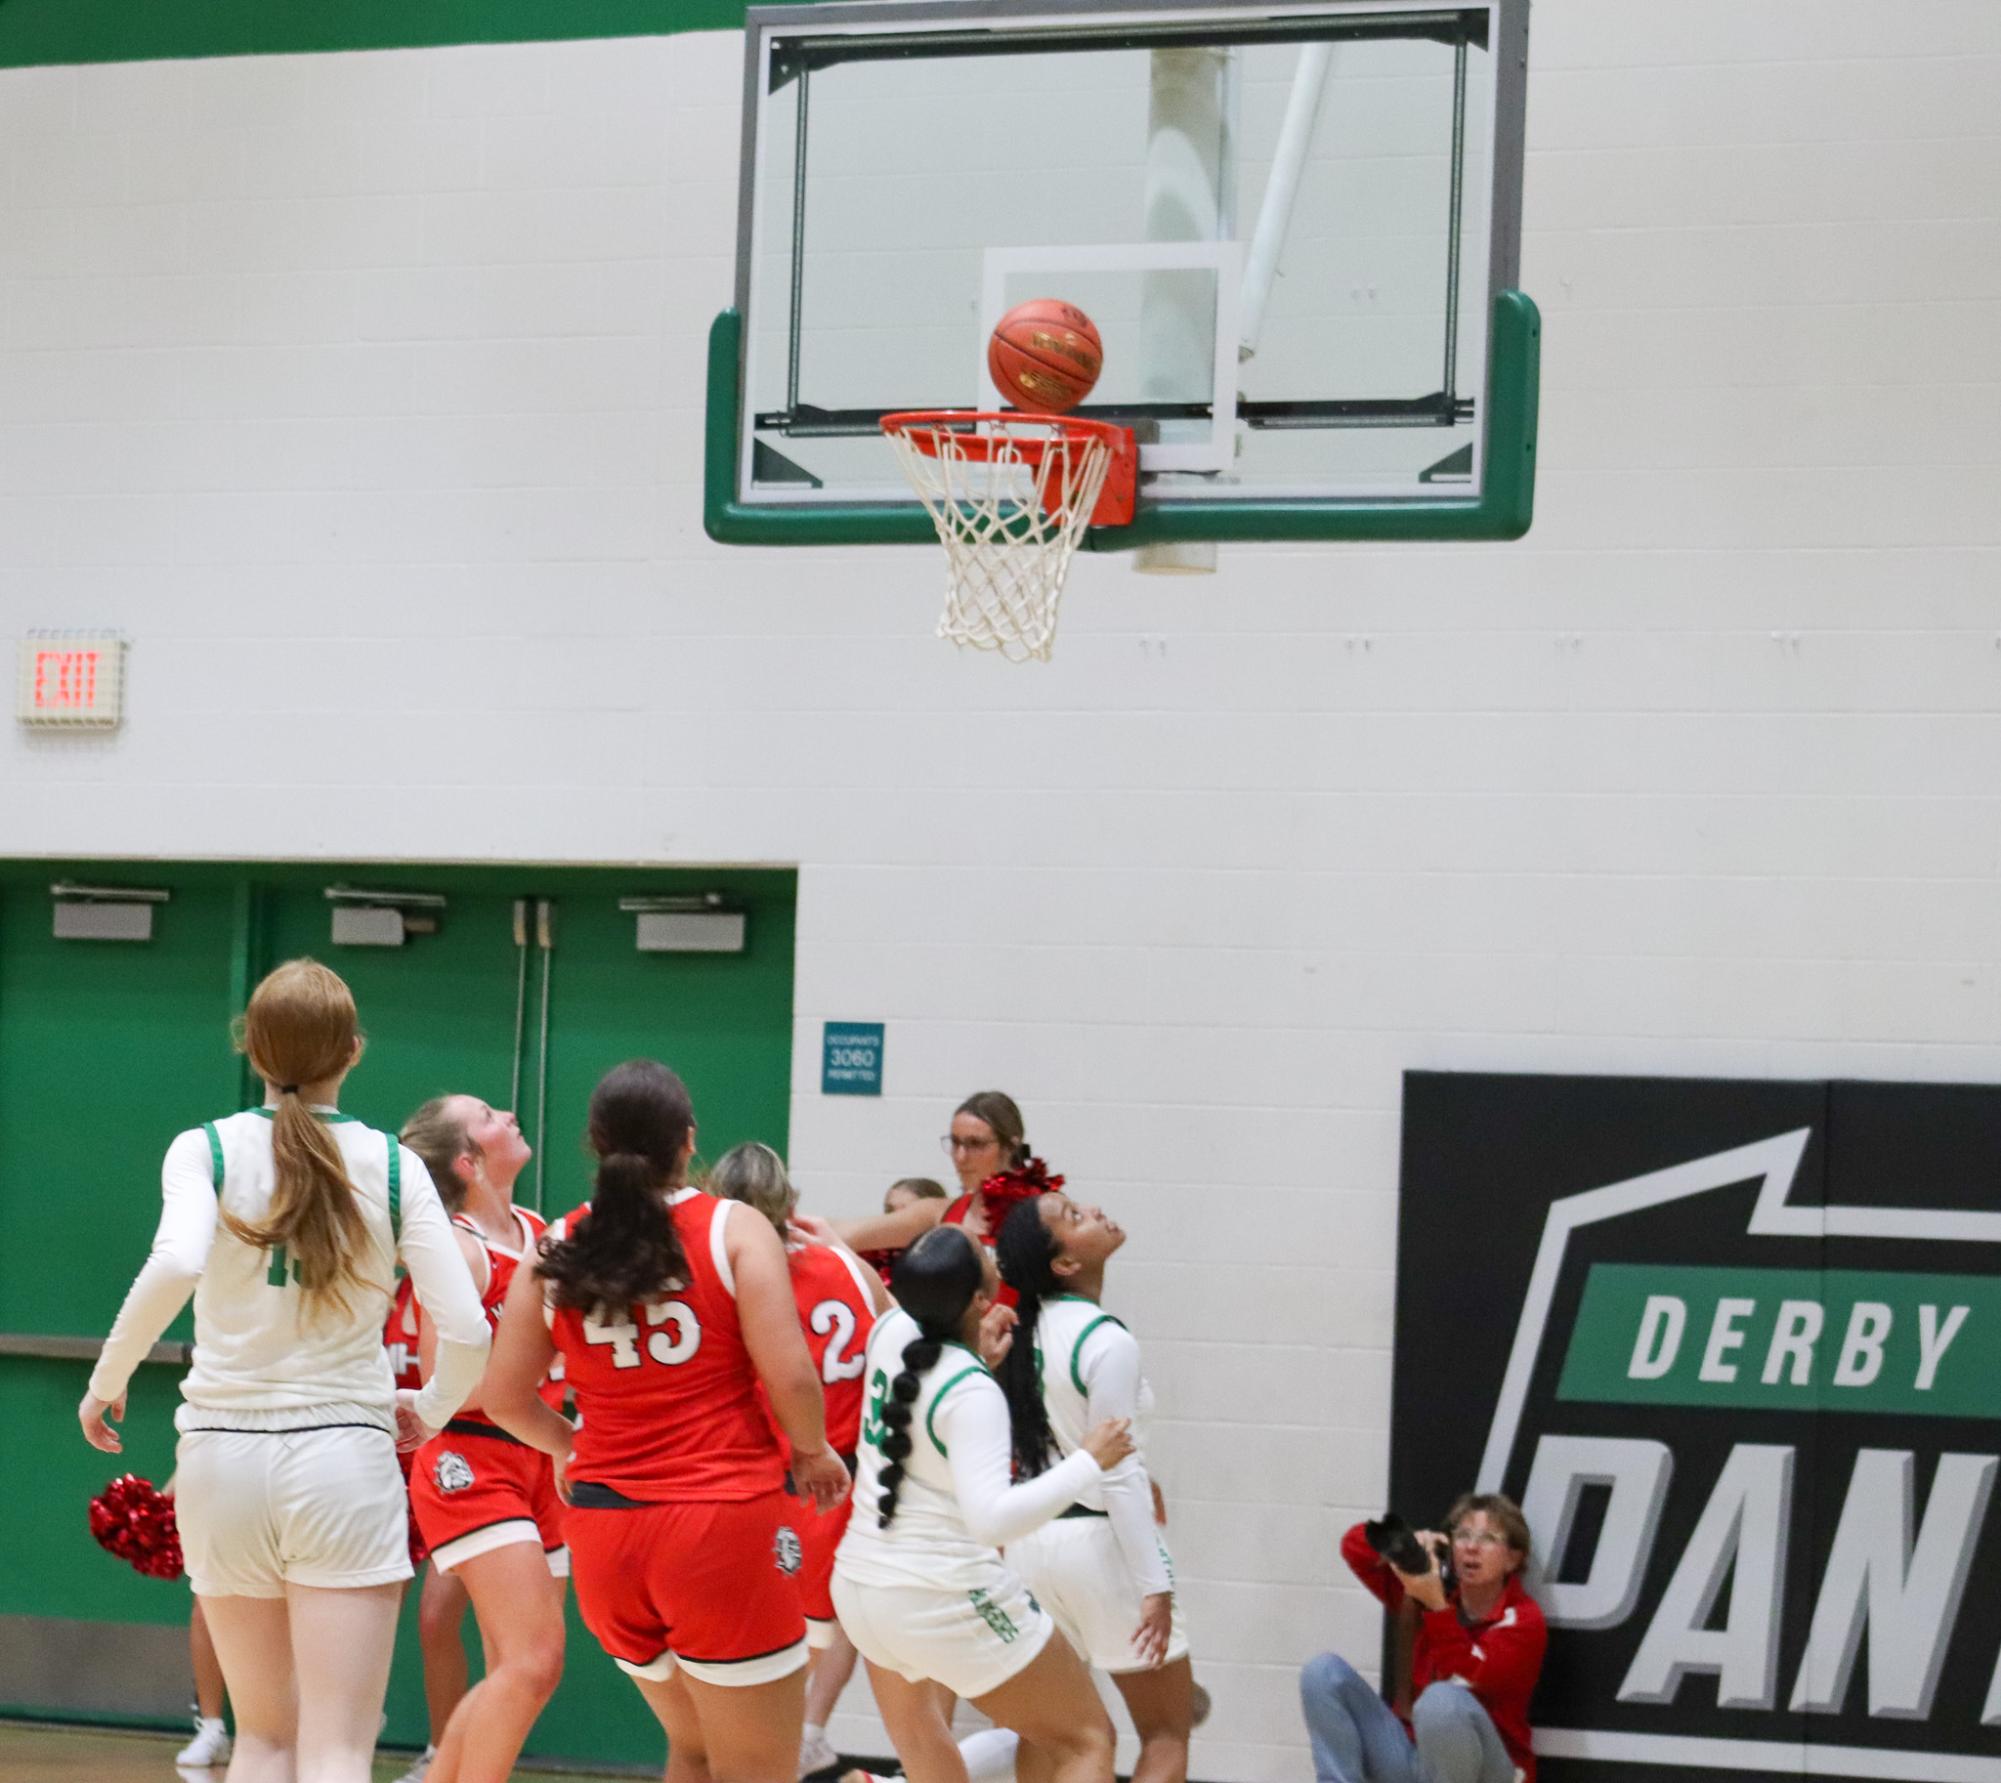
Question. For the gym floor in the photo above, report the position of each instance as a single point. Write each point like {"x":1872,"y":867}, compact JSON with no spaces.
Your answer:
{"x":39,"y":1754}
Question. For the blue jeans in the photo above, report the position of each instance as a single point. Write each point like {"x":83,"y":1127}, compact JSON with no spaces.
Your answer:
{"x":1358,"y":1739}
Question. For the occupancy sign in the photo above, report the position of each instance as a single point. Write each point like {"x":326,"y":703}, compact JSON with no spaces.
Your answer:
{"x":851,"y":1059}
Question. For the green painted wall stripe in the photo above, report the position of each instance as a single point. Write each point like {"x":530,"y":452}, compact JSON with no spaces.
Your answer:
{"x":40,"y":33}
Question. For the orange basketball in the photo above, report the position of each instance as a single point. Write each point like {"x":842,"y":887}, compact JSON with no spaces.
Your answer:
{"x":1045,"y":355}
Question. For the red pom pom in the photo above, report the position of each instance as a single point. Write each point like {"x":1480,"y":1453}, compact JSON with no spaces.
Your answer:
{"x":1000,"y":1195}
{"x":132,"y":1519}
{"x":882,"y":1262}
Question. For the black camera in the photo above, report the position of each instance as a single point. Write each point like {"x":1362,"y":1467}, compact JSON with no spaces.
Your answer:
{"x":1397,"y":1543}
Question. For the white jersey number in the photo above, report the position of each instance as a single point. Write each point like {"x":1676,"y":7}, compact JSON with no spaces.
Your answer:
{"x":838,"y":1317}
{"x":677,"y":1317}
{"x":678,"y":1334}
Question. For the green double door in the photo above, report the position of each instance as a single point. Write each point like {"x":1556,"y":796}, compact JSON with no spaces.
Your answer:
{"x":524,"y":986}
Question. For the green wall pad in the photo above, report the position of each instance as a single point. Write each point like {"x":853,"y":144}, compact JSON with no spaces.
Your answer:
{"x":40,"y":32}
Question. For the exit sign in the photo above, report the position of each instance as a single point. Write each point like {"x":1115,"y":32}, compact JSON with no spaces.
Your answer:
{"x":72,"y":681}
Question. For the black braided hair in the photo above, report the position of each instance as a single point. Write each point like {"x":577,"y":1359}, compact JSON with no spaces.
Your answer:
{"x":1026,"y":1252}
{"x":934,"y":1282}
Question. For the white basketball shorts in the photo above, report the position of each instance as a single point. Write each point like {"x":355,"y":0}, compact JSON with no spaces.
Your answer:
{"x":260,"y":1510}
{"x":1074,"y":1566}
{"x":971,"y":1641}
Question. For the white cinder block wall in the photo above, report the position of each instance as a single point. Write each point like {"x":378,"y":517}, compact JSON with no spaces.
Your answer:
{"x":364,"y":393}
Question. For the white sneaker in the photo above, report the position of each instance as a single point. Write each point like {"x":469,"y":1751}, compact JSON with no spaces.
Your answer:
{"x":420,"y":1766}
{"x":816,"y":1752}
{"x":209,"y":1747}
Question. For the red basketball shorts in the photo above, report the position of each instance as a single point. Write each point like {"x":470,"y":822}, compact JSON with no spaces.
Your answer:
{"x":418,"y":1552}
{"x":474,"y":1491}
{"x":710,"y":1587}
{"x":819,"y":1534}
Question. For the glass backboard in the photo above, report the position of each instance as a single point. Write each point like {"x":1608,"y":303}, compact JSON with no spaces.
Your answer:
{"x":1296,"y":227}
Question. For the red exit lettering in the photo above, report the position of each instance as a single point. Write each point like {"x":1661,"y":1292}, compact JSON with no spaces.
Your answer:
{"x":65,"y":680}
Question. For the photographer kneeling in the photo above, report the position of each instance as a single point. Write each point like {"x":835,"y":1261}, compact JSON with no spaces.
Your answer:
{"x":1475,"y":1657}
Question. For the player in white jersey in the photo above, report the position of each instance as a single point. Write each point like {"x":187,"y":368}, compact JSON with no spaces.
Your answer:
{"x":918,"y":1585}
{"x":1100,"y":1567}
{"x":286,"y":1223}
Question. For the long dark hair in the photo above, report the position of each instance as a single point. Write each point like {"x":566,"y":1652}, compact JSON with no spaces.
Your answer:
{"x":934,"y":1282}
{"x":1026,"y":1252}
{"x":627,"y":1252}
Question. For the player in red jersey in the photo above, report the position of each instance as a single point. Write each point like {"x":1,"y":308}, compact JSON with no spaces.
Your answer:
{"x":669,"y":1314}
{"x":485,"y":1502}
{"x":838,"y":1300}
{"x":442,"y":1600}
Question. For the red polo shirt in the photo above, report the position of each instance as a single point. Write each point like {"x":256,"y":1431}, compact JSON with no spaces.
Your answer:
{"x":1498,"y":1659}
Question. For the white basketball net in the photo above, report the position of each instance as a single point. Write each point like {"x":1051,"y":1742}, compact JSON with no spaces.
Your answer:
{"x":1011,"y":497}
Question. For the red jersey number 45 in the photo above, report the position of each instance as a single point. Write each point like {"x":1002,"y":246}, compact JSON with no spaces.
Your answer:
{"x":675,"y":1334}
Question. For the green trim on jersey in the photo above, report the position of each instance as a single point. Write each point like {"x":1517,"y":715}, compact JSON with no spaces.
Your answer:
{"x":326,"y":1117}
{"x":930,"y":1417}
{"x":395,"y":1190}
{"x":1077,"y":1348}
{"x":214,"y":1154}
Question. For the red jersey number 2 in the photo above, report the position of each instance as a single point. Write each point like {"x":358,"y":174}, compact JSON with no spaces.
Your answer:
{"x":835,"y":1321}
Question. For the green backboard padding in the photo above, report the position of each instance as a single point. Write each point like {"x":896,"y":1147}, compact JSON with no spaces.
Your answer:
{"x":1503,"y":510}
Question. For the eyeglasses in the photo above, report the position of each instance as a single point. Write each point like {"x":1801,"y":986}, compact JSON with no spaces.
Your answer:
{"x":1478,"y":1538}
{"x":951,"y":1144}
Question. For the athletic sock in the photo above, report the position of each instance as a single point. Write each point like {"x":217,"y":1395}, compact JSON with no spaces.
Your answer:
{"x":989,"y":1755}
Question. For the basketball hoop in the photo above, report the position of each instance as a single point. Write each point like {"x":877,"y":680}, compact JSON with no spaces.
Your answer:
{"x":1011,"y":495}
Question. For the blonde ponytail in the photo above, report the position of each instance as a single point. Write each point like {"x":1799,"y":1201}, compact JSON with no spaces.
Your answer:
{"x":301,"y":1028}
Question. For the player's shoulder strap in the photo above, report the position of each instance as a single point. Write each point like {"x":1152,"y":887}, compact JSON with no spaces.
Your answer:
{"x":395,"y":1146}
{"x":1084,"y":1335}
{"x":214,"y":1155}
{"x":851,"y":1267}
{"x":719,"y":1211}
{"x":395,"y":1188}
{"x":954,"y":1369}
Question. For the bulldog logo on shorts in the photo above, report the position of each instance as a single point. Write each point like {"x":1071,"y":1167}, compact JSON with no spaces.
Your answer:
{"x":787,"y":1550}
{"x":453,"y":1472}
